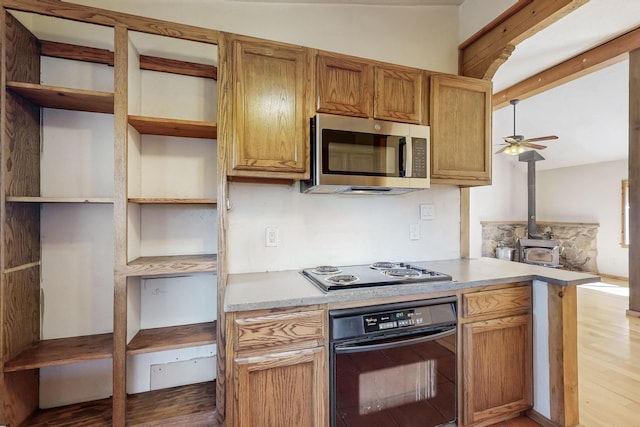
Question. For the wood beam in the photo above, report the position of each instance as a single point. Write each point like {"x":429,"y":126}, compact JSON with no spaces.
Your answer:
{"x":563,"y":355}
{"x":634,"y":183}
{"x":595,"y":59}
{"x":484,"y":53}
{"x":104,"y":56}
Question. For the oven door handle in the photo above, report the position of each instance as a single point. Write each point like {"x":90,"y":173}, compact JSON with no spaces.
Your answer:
{"x":400,"y":342}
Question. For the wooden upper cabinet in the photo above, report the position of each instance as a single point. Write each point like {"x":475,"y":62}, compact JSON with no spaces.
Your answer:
{"x":400,"y":94}
{"x":356,"y":87}
{"x":460,"y":119}
{"x":271,"y":107}
{"x":344,"y":85}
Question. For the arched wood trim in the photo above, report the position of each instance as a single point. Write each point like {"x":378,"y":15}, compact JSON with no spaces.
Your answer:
{"x":483,"y":54}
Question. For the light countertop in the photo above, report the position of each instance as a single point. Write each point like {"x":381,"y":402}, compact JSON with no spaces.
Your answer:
{"x":267,"y":290}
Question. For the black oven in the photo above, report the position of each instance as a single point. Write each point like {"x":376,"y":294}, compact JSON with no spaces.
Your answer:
{"x":394,"y":364}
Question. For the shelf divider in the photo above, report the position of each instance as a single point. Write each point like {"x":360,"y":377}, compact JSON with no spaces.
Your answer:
{"x":190,"y":405}
{"x":62,"y":351}
{"x":172,"y":337}
{"x":95,"y":413}
{"x":64,"y":98}
{"x":174,"y":127}
{"x":171,"y":265}
{"x":171,"y":201}
{"x":38,"y":199}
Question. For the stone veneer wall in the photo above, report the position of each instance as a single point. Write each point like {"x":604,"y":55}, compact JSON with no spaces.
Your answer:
{"x":577,"y":241}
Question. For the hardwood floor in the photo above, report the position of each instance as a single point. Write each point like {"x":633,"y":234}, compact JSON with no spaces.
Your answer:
{"x":608,"y":355}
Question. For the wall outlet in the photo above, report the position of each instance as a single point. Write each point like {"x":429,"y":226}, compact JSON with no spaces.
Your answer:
{"x":414,"y":231}
{"x":427,"y":211}
{"x":271,"y":237}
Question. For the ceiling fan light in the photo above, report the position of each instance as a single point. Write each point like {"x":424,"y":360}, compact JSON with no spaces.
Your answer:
{"x":514,"y":150}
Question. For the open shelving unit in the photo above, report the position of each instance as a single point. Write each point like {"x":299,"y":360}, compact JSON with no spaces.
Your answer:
{"x":132,"y":172}
{"x":170,"y":181}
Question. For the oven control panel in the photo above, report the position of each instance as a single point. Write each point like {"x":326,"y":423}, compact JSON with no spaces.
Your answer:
{"x":392,"y":320}
{"x":364,"y":322}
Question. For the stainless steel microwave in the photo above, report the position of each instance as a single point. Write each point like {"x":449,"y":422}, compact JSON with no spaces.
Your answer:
{"x":365,"y":156}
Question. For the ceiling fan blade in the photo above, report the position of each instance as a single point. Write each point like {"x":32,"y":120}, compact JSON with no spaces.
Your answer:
{"x":540,"y":138}
{"x":535,"y":146}
{"x":502,"y":149}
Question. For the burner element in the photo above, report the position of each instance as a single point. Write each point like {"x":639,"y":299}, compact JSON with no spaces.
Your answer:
{"x":384,"y":265}
{"x":342,"y":279}
{"x":401,"y":272}
{"x":326,"y":269}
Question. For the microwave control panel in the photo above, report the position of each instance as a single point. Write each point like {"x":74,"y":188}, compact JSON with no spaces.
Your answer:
{"x":419,"y":157}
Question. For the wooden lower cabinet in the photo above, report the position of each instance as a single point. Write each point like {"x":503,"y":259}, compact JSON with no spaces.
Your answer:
{"x":497,"y":356}
{"x":281,"y":389}
{"x":278,"y":374}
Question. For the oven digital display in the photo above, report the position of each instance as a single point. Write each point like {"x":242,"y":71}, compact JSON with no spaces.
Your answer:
{"x":391,"y":320}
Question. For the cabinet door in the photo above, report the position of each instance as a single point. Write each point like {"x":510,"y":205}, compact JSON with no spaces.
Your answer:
{"x":399,"y":94}
{"x":271,"y":110}
{"x":284,"y":389}
{"x":497,"y":364}
{"x":344,"y":86}
{"x":460,"y":130}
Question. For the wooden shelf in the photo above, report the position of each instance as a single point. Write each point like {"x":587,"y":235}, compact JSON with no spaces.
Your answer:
{"x":191,"y":405}
{"x":173,"y":337}
{"x":171,"y":201}
{"x":173,"y":127}
{"x":62,"y":351}
{"x":64,"y":98}
{"x":95,"y":414}
{"x":36,"y":199}
{"x":171,"y":265}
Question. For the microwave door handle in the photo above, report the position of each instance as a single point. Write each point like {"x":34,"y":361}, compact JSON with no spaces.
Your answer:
{"x":402,"y":157}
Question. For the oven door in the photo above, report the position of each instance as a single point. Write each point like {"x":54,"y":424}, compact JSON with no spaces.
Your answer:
{"x":405,"y":380}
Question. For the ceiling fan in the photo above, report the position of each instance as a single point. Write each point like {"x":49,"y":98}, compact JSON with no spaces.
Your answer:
{"x":516,"y":144}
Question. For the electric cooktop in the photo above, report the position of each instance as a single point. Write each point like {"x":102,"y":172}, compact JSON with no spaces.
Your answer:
{"x":330,"y":278}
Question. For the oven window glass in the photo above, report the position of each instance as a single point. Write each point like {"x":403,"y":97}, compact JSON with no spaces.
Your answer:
{"x":357,"y":153}
{"x":412,"y":385}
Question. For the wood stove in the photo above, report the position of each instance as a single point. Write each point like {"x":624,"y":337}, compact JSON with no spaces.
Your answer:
{"x":539,"y":248}
{"x":540,"y":252}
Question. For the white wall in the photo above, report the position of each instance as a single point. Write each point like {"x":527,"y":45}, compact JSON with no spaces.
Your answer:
{"x":337,"y":229}
{"x":475,"y":14}
{"x":590,"y":193}
{"x":425,"y":37}
{"x":504,"y":200}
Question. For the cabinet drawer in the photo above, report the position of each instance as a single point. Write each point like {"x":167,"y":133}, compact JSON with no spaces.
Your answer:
{"x":279,"y":329}
{"x":498,"y":302}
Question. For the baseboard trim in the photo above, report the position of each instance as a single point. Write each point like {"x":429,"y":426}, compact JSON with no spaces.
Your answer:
{"x":611,"y":276}
{"x":540,"y":419}
{"x":633,"y":313}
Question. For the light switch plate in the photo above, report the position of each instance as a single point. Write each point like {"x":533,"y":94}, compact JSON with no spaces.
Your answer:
{"x":427,"y":211}
{"x":414,"y":231}
{"x":271,"y":237}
